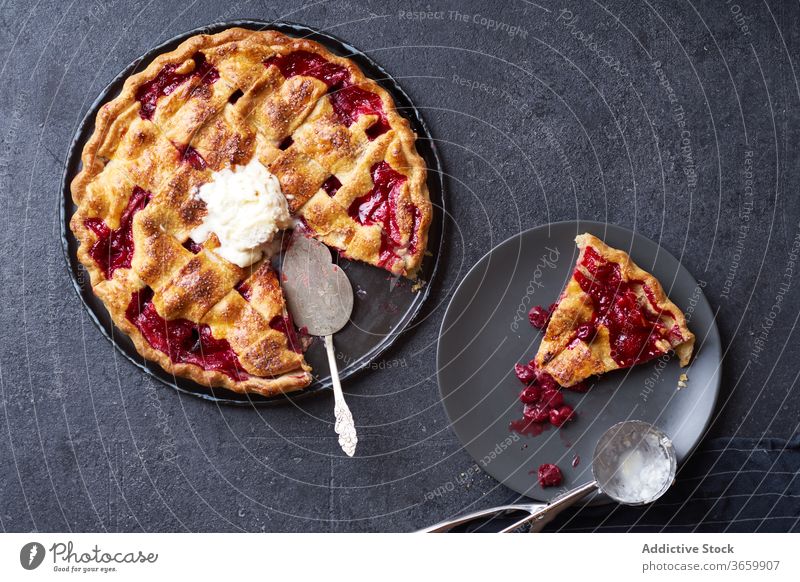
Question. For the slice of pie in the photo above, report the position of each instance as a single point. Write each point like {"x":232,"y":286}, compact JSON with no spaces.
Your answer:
{"x":611,"y":315}
{"x":197,"y":165}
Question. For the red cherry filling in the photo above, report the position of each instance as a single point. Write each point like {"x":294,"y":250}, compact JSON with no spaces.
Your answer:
{"x":285,"y":325}
{"x":586,"y":332}
{"x":539,"y":316}
{"x":545,"y":380}
{"x":530,"y":395}
{"x":331,"y":185}
{"x":244,"y":290}
{"x":184,"y":341}
{"x":675,"y":333}
{"x":550,"y":475}
{"x":379,"y":206}
{"x":552,"y":398}
{"x":309,"y":65}
{"x":191,"y":156}
{"x":192,"y":246}
{"x":113,"y":249}
{"x":349,"y":101}
{"x":207,"y":73}
{"x":167,"y":80}
{"x":525,"y":373}
{"x":633,"y":331}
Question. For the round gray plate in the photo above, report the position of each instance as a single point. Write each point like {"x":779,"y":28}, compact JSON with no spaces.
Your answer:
{"x":486,"y":331}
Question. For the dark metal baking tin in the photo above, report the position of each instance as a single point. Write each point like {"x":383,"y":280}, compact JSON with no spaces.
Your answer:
{"x":388,"y":308}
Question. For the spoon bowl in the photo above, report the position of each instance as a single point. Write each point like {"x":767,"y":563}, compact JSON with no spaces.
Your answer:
{"x":634,"y":463}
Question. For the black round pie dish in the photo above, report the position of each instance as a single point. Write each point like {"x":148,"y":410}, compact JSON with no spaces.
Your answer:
{"x":383,"y":309}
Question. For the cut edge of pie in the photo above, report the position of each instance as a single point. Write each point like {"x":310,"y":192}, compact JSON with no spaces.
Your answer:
{"x":612,"y":314}
{"x":172,"y":125}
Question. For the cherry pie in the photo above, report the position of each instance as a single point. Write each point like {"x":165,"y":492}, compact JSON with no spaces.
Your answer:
{"x":346,"y":163}
{"x":611,"y":315}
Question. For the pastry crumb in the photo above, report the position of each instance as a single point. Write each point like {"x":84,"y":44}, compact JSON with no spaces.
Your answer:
{"x":682,"y":379}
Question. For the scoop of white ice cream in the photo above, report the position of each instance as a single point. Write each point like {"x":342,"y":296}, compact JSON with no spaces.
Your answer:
{"x":245,"y":209}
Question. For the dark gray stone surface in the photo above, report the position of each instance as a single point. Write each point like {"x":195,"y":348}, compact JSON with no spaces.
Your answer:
{"x":535,"y":124}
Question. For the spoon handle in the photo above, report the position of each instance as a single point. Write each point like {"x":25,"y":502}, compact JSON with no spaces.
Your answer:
{"x":344,"y":427}
{"x":541,"y":517}
{"x":482,"y":516}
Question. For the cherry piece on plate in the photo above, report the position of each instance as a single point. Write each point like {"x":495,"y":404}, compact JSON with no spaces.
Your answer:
{"x":530,"y":395}
{"x":525,"y":373}
{"x":536,"y":413}
{"x":550,"y":475}
{"x":538,"y":316}
{"x":546,"y":381}
{"x":552,"y":398}
{"x":562,"y":415}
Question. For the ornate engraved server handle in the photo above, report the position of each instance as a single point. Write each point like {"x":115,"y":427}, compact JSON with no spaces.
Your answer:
{"x":344,"y":427}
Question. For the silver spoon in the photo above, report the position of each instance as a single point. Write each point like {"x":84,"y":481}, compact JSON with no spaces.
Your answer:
{"x":320,"y":298}
{"x":634,"y":463}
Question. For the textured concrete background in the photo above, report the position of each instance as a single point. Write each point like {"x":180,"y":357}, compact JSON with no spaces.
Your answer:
{"x":574,"y":113}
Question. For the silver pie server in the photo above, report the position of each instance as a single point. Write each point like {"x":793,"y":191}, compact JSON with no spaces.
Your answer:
{"x":320,"y":298}
{"x":634,"y":463}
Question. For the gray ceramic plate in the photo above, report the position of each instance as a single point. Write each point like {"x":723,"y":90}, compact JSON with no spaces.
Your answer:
{"x":486,"y":331}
